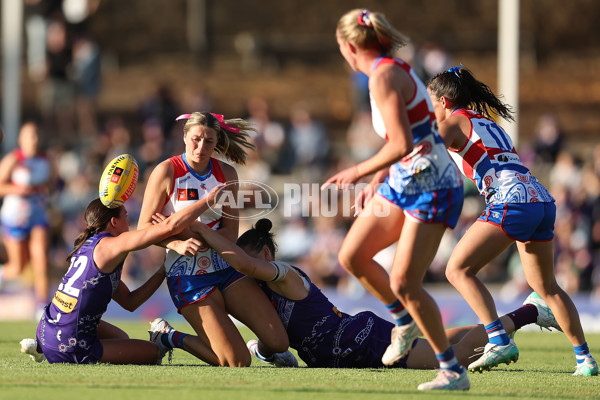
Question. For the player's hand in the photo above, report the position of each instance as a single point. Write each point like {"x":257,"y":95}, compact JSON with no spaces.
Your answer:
{"x":343,"y":179}
{"x":188,"y":248}
{"x":362,"y":198}
{"x":157,"y":218}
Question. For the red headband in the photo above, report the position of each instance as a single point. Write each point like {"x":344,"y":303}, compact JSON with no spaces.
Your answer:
{"x":219,"y":118}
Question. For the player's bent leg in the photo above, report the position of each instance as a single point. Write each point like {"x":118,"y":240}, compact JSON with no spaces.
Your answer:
{"x":481,"y":243}
{"x":110,"y":331}
{"x":368,"y":235}
{"x":210,"y":319}
{"x":246,"y":302}
{"x":538,"y":265}
{"x":129,"y":351}
{"x":167,"y":338}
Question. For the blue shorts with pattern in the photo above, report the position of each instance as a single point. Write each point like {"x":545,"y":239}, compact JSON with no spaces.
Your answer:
{"x":444,"y":205}
{"x":522,"y":221}
{"x":188,"y":289}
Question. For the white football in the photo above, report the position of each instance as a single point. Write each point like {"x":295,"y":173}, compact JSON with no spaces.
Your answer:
{"x":118,"y":181}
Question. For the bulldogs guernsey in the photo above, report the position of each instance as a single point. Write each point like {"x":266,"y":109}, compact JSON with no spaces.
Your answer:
{"x":428,"y":167}
{"x":325,"y":337}
{"x":189,"y":187}
{"x":70,"y":322}
{"x":490,"y":160}
{"x":21,"y":211}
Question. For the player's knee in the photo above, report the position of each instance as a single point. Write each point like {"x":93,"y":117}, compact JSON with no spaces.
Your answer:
{"x":278,"y":345}
{"x":346,"y":260}
{"x":241,"y":361}
{"x":399,"y":285}
{"x":455,"y":275}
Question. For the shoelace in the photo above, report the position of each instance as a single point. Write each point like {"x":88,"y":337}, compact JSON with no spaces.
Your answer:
{"x":479,"y":351}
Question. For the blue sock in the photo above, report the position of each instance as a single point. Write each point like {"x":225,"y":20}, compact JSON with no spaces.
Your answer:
{"x":496,"y":333}
{"x":399,"y":313}
{"x":174,"y":339}
{"x":581,"y":352}
{"x":447,"y":360}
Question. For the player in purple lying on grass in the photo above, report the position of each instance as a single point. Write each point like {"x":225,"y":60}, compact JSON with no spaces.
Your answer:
{"x":71,"y":329}
{"x":324,"y":336}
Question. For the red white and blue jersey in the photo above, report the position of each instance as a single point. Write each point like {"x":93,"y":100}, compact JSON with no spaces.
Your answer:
{"x":25,"y":211}
{"x":187,"y":188}
{"x":428,"y":167}
{"x":490,"y":160}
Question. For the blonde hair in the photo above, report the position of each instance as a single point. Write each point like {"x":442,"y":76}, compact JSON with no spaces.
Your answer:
{"x":366,"y":29}
{"x":232,"y":134}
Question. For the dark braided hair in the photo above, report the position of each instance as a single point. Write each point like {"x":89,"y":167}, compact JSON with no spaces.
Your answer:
{"x":464,"y":91}
{"x":97,"y":217}
{"x":258,"y":237}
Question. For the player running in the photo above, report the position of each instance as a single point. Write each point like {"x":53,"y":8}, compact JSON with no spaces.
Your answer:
{"x":518,"y":209}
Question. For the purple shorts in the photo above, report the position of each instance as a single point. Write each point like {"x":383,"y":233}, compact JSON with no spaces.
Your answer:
{"x":188,"y":289}
{"x":90,"y":356}
{"x":522,"y":221}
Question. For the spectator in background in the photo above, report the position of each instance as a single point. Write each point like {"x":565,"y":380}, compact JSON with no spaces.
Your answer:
{"x":37,"y":13}
{"x":86,"y":74}
{"x":432,"y":58}
{"x":57,"y":91}
{"x":309,"y":143}
{"x":162,"y":106}
{"x":25,"y":180}
{"x":548,"y":139}
{"x":269,"y":138}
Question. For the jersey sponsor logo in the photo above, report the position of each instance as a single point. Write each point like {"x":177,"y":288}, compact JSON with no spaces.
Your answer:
{"x":65,"y":303}
{"x":337,"y":312}
{"x":116,"y":175}
{"x":187,"y":194}
{"x":505,"y":157}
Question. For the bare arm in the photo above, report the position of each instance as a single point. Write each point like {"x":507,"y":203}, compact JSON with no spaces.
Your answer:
{"x":291,"y":286}
{"x":7,"y":165}
{"x":131,"y":300}
{"x":111,"y":251}
{"x":391,"y":88}
{"x":455,"y":131}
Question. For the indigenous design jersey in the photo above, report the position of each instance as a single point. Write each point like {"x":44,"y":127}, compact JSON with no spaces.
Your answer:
{"x":70,"y":322}
{"x":490,"y":160}
{"x":189,"y":187}
{"x":325,"y":337}
{"x":28,"y":171}
{"x":428,"y":167}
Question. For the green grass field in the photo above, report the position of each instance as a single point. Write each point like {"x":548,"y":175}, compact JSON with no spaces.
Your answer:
{"x":543,"y":372}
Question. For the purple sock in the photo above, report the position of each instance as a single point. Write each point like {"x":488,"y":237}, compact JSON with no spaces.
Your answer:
{"x":524,"y":315}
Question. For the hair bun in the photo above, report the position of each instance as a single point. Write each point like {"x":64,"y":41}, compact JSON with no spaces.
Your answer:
{"x":264,"y":225}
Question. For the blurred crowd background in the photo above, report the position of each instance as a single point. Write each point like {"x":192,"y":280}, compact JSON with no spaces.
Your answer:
{"x":105,"y":77}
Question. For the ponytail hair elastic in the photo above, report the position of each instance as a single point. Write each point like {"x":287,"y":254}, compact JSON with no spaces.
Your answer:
{"x":219,"y":118}
{"x":455,"y":70}
{"x":364,"y":19}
